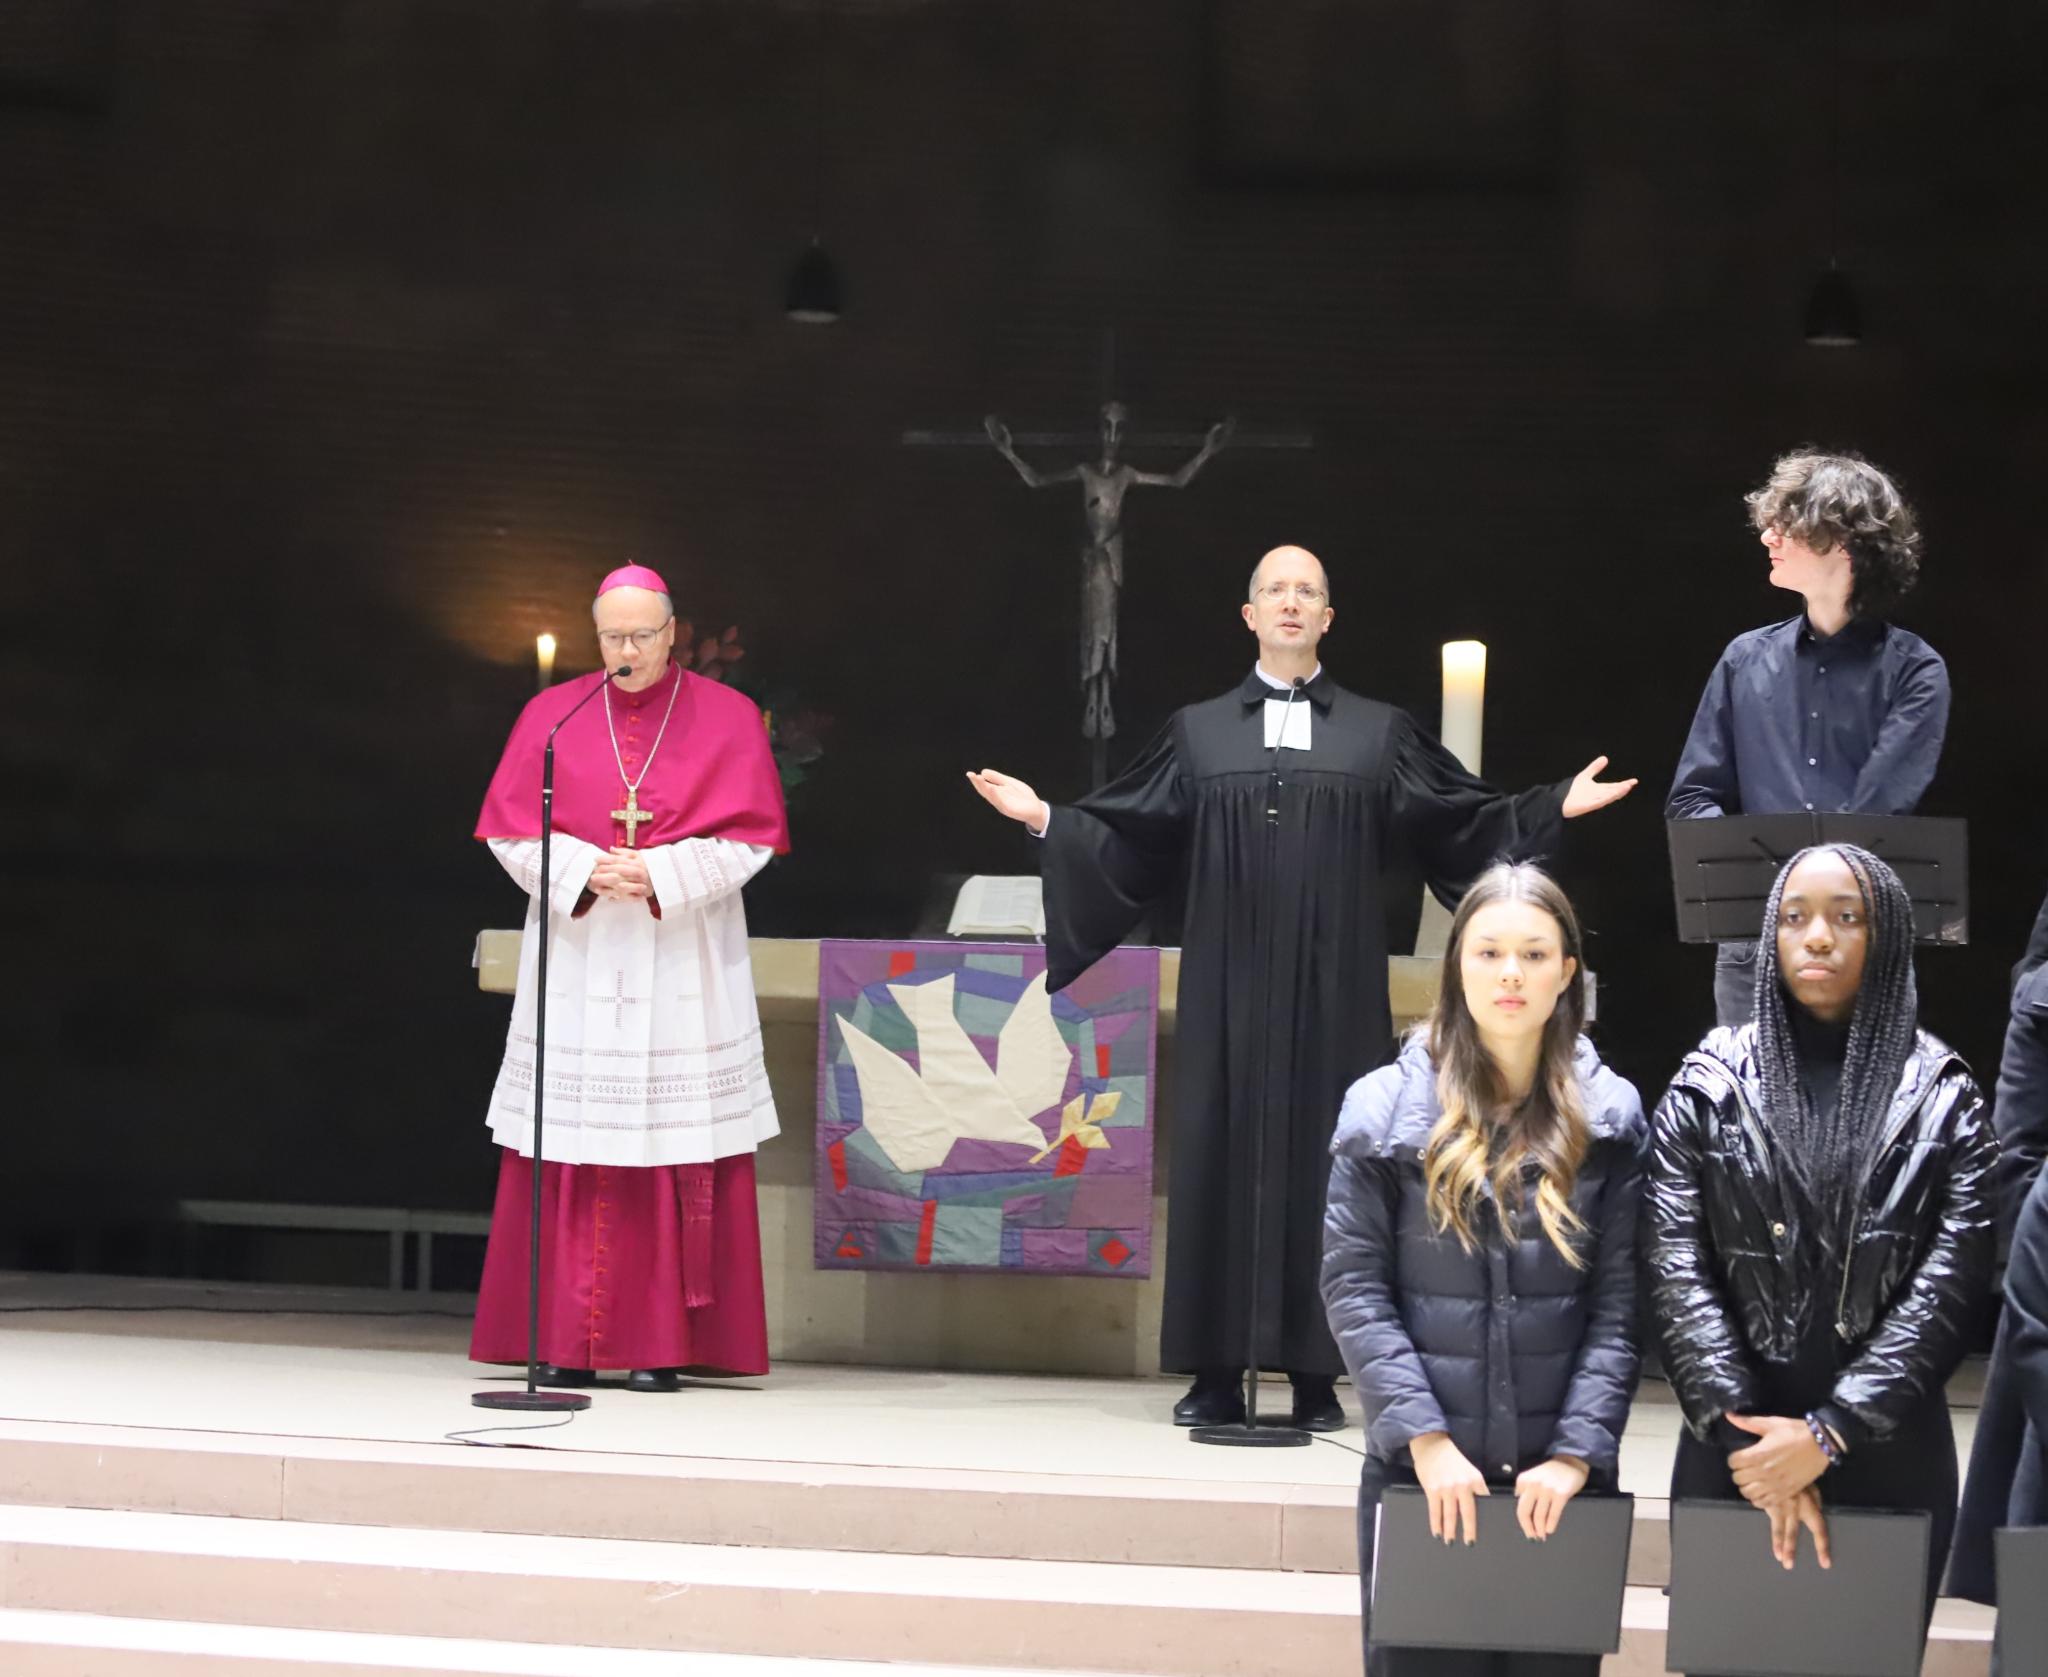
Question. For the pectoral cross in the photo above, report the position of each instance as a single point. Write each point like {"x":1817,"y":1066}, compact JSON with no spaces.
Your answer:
{"x":632,"y":816}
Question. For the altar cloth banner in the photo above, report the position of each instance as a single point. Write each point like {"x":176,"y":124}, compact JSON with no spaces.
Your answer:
{"x":969,"y":1122}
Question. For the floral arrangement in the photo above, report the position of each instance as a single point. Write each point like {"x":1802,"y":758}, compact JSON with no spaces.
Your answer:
{"x":796,"y":732}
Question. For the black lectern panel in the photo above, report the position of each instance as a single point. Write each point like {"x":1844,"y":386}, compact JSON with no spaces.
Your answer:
{"x":1734,"y":1609}
{"x":2021,"y":1553}
{"x":1722,"y":870}
{"x":1562,"y":1596}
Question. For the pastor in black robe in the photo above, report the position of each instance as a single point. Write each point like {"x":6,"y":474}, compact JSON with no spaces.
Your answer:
{"x":1191,"y":811}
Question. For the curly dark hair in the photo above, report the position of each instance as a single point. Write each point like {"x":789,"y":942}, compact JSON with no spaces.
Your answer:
{"x":1831,"y":500}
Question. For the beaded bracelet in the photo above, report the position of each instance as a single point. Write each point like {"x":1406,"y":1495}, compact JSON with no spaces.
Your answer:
{"x":1823,"y":1438}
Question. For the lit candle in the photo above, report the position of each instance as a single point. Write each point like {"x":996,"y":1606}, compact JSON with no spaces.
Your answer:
{"x":1464,"y":719}
{"x":544,"y":656}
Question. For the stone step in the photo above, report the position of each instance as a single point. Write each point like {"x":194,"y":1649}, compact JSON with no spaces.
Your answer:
{"x":800,"y":1505}
{"x":39,"y":1644}
{"x":164,"y":1594}
{"x":43,"y":1643}
{"x":580,"y":1591}
{"x":681,"y":1499}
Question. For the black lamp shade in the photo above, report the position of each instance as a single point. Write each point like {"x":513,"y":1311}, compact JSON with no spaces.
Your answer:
{"x":1833,"y":318}
{"x":814,"y":294}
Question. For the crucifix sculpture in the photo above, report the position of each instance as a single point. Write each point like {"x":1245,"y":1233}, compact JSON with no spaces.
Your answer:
{"x":1103,"y":484}
{"x":1104,"y":481}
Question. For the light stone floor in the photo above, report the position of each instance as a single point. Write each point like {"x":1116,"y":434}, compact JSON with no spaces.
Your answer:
{"x":280,"y":1362}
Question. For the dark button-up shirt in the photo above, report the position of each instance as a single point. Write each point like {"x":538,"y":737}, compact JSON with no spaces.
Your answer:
{"x":1793,"y":721}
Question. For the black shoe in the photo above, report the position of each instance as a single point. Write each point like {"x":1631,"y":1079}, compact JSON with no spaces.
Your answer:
{"x":1316,"y":1408}
{"x":1212,"y":1401}
{"x":654,"y":1380}
{"x":552,"y":1375}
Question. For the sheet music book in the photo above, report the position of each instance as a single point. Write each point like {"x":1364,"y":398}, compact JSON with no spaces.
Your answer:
{"x":1735,"y":1609}
{"x":2021,"y":1555}
{"x":1504,"y":1592}
{"x":999,"y":905}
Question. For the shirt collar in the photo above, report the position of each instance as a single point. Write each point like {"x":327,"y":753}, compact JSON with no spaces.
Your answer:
{"x":1858,"y":631}
{"x":1261,"y":688}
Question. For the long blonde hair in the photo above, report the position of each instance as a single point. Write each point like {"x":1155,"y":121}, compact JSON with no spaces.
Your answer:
{"x":1480,"y":1136}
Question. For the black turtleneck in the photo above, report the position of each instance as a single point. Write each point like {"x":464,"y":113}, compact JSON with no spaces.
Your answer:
{"x":1822,"y":1049}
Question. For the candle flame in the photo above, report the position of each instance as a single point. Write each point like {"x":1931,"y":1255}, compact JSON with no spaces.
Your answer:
{"x":545,"y":646}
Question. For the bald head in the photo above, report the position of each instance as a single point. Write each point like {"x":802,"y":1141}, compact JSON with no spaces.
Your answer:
{"x":1292,"y":564}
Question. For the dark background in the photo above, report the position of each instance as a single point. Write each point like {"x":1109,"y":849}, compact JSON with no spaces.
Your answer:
{"x":344,"y":345}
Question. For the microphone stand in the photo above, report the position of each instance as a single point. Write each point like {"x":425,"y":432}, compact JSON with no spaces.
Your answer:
{"x":1248,"y":1432}
{"x":533,"y":1397}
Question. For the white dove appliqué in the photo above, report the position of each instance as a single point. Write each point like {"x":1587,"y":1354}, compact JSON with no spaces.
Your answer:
{"x":916,"y":1114}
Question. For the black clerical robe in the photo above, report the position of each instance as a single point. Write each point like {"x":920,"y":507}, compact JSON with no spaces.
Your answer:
{"x":1192,"y":808}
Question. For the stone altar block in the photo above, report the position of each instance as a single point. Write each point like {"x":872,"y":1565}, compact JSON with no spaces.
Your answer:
{"x":1011,"y":1323}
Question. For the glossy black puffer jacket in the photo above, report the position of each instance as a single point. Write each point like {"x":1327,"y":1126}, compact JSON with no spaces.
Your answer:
{"x":1514,"y":1352}
{"x":1730,"y":1285}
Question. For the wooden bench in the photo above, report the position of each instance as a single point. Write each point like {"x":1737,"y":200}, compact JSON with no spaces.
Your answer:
{"x":393,"y":1222}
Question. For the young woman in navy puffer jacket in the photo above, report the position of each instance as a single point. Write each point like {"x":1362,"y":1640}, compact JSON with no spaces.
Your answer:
{"x":1493,"y":1350}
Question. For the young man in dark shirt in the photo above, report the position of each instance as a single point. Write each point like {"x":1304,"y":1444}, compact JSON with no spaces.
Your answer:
{"x":1836,"y":709}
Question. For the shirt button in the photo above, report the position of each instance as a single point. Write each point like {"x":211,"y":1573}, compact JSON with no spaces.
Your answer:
{"x":1507,"y":1467}
{"x":1777,"y":1229}
{"x":1823,"y":669}
{"x":1814,"y":714}
{"x":1809,"y":806}
{"x":1813,"y":762}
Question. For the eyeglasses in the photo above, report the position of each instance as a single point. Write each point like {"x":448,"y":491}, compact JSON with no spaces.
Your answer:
{"x":614,"y":640}
{"x":1306,"y":592}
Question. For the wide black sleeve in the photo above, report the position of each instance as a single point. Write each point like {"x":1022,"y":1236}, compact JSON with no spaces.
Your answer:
{"x":1705,"y":1355}
{"x":1603,"y":1384}
{"x":1921,"y":1339}
{"x":2019,"y":1111}
{"x":1110,"y":857}
{"x":1453,"y":823}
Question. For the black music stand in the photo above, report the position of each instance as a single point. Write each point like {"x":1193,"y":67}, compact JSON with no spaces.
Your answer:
{"x":1722,"y":869}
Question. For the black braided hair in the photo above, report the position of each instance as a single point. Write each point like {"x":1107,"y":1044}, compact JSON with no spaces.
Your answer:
{"x":1834,"y":1146}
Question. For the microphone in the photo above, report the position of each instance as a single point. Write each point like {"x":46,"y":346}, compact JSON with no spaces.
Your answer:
{"x":610,"y":676}
{"x":1273,"y":756}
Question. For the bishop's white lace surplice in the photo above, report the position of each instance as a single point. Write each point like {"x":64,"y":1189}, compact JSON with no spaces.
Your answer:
{"x":654,"y":1041}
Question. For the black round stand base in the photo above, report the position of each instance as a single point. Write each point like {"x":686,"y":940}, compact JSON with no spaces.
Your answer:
{"x":1250,"y":1437}
{"x":557,"y":1401}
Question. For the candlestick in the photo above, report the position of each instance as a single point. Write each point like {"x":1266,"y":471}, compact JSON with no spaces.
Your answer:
{"x":544,"y":657}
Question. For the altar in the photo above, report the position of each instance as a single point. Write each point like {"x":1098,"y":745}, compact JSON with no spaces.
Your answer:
{"x":1033,"y":1324}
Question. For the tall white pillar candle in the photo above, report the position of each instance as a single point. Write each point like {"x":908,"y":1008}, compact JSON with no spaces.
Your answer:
{"x":1464,"y":719}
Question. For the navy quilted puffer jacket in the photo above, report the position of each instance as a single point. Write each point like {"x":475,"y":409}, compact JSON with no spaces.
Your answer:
{"x":1509,"y":1349}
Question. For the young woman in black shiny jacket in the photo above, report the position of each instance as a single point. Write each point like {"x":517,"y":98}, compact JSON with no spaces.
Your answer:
{"x":1479,"y":1246}
{"x":1817,"y":1229}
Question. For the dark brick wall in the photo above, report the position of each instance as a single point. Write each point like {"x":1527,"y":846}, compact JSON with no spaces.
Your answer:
{"x":343,"y":345}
